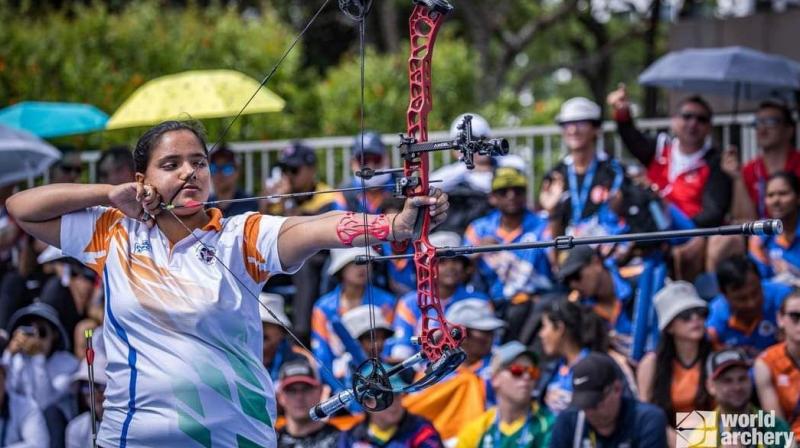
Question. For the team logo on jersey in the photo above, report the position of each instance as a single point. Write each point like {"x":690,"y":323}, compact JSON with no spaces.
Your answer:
{"x":206,"y":254}
{"x":142,"y":246}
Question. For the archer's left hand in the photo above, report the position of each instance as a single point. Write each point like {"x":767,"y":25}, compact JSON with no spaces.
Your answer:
{"x":436,"y":203}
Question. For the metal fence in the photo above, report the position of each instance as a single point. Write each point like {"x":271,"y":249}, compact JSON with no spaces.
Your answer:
{"x":539,"y":146}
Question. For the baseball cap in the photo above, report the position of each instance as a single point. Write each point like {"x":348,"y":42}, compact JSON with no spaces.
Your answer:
{"x":579,"y":109}
{"x":718,"y":362}
{"x":357,"y":320}
{"x":296,"y":155}
{"x":674,"y":298}
{"x":222,"y":152}
{"x":507,"y":177}
{"x":297,"y":369}
{"x":476,"y":314}
{"x":370,"y":144}
{"x":590,"y":377}
{"x":275,"y":303}
{"x":577,"y":258}
{"x":505,"y":354}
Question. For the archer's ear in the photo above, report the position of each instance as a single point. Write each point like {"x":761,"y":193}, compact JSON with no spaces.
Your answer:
{"x":139,"y":178}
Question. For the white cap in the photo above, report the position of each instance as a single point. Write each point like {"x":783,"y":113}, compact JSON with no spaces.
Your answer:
{"x":357,"y":320}
{"x":579,"y":109}
{"x":273,"y":302}
{"x":51,"y":253}
{"x":341,"y":257}
{"x":480,"y":127}
{"x":511,"y":161}
{"x":674,"y":298}
{"x":99,"y":364}
{"x":445,"y":239}
{"x":474,"y":313}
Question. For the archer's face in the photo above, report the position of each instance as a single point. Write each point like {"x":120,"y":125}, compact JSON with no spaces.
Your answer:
{"x":177,"y":155}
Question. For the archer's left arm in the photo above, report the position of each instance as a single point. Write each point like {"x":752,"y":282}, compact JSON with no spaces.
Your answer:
{"x":302,"y":236}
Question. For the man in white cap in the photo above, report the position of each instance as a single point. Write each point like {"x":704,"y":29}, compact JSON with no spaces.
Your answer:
{"x":351,"y":292}
{"x":367,"y":325}
{"x":277,"y":347}
{"x":482,"y":326}
{"x":576,"y":192}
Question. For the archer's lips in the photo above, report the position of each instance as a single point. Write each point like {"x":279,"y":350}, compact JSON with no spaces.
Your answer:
{"x":191,"y":187}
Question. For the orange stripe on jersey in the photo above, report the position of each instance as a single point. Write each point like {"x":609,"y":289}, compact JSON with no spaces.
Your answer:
{"x":785,"y":379}
{"x":319,"y":324}
{"x":104,"y":227}
{"x":757,"y":249}
{"x":253,"y":260}
{"x":471,"y":236}
{"x":405,"y":313}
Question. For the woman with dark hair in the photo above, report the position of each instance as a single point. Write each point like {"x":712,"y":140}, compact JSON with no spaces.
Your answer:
{"x":568,"y":332}
{"x":673,"y":376}
{"x":778,"y":256}
{"x":184,"y":332}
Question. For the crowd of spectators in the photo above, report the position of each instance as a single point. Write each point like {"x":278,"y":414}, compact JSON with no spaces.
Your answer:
{"x":551,"y":336}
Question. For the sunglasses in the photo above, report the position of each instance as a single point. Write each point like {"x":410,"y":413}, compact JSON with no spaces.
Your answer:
{"x":688,"y":116}
{"x":687,"y":315}
{"x":767,"y":122}
{"x":226,"y":170}
{"x":73,"y":169}
{"x":518,"y":370}
{"x":794,"y":316}
{"x":518,"y":191}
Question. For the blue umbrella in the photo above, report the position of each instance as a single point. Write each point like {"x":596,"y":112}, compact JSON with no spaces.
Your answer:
{"x":46,"y":119}
{"x":740,"y":72}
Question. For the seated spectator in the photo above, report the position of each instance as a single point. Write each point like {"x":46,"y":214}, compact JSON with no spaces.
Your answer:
{"x":775,"y":130}
{"x":598,"y":283}
{"x":40,"y":365}
{"x":517,"y":419}
{"x":277,"y":347}
{"x":728,"y":381}
{"x":744,"y":314}
{"x":568,"y":332}
{"x":510,"y":275}
{"x":368,"y":151}
{"x":225,"y":179}
{"x":351,"y":292}
{"x":685,"y":168}
{"x":79,"y":429}
{"x":778,"y":256}
{"x":601,"y":416}
{"x":300,"y":389}
{"x":777,"y":370}
{"x":367,"y":325}
{"x":673,"y":377}
{"x":576,"y":192}
{"x":115,"y":166}
{"x":69,"y":169}
{"x":22,"y":421}
{"x":453,"y":273}
{"x":477,"y":316}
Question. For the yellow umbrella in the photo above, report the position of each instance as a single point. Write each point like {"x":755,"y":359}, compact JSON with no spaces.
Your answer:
{"x":194,"y":94}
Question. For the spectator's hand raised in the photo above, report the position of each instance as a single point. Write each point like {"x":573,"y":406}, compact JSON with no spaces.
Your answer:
{"x":730,"y":162}
{"x":618,"y":99}
{"x":552,"y":190}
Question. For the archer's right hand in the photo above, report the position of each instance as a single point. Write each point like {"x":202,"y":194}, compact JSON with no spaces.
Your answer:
{"x":138,"y":201}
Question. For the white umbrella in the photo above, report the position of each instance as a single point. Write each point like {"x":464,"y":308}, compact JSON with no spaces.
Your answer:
{"x":23,"y":155}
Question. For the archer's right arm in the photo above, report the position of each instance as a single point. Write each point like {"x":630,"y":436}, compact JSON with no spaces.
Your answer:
{"x":38,"y":210}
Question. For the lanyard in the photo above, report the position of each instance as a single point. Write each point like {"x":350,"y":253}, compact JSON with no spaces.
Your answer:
{"x":578,"y":198}
{"x":525,"y":439}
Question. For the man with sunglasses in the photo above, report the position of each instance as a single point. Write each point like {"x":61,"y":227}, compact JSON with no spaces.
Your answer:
{"x":775,"y":129}
{"x":368,"y":151}
{"x":576,"y":192}
{"x":510,"y":276}
{"x":225,"y":177}
{"x":777,"y":369}
{"x":517,"y":420}
{"x":601,"y":416}
{"x":685,"y":168}
{"x":69,"y":168}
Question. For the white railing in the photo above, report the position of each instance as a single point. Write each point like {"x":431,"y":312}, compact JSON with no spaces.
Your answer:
{"x":539,"y":146}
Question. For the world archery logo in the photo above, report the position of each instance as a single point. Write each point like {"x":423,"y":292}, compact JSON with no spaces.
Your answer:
{"x":696,"y":429}
{"x":206,"y":254}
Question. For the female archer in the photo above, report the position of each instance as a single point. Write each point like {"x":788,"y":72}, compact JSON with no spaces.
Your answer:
{"x":183,"y":333}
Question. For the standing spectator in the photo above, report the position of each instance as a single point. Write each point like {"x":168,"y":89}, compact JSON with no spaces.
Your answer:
{"x":601,"y":416}
{"x":511,"y":276}
{"x":777,"y":370}
{"x":69,"y":169}
{"x":225,"y":177}
{"x":775,"y":137}
{"x":298,"y":166}
{"x":79,"y":429}
{"x":744,"y":314}
{"x":452,"y":289}
{"x":299,"y":389}
{"x":673,"y":377}
{"x":368,"y":151}
{"x":116,"y":166}
{"x":731,"y":387}
{"x":599,"y":284}
{"x":351,"y":292}
{"x":22,"y":421}
{"x":778,"y":256}
{"x":277,"y":347}
{"x":517,"y":420}
{"x":589,"y":176}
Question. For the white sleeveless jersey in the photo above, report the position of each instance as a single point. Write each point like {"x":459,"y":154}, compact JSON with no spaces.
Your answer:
{"x":183,"y":339}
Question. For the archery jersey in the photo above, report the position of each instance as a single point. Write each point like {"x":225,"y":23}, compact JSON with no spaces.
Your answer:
{"x":184,"y":342}
{"x":777,"y":257}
